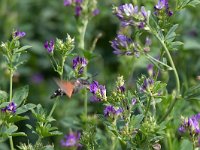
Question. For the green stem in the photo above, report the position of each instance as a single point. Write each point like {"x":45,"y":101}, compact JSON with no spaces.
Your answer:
{"x":172,"y":64}
{"x":154,"y":107}
{"x":11,"y":77}
{"x":148,"y":106}
{"x":82,"y":31}
{"x":151,"y":58}
{"x":81,"y":46}
{"x":11,"y":143}
{"x":176,"y":77}
{"x":85,"y":103}
{"x":53,"y":108}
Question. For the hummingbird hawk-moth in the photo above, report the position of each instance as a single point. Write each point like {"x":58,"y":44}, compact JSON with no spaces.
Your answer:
{"x":70,"y":87}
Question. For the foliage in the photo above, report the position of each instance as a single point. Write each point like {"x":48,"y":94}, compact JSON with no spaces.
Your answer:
{"x":137,"y":89}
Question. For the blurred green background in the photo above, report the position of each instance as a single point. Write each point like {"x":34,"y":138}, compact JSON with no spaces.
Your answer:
{"x":47,"y":19}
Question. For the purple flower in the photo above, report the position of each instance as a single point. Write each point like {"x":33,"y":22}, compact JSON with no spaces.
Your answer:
{"x":126,"y":10}
{"x":49,"y":46}
{"x":67,"y":2}
{"x":19,"y":34}
{"x":144,"y":12}
{"x":122,"y":45}
{"x":191,"y":125}
{"x":163,"y":4}
{"x":141,"y":25}
{"x":79,"y":63}
{"x":147,"y":44}
{"x":181,"y":129}
{"x":130,"y":15}
{"x":10,"y":108}
{"x":102,"y":90}
{"x":78,"y":1}
{"x":133,"y":101}
{"x":150,"y":69}
{"x":146,"y":84}
{"x":193,"y":122}
{"x":119,"y":111}
{"x":125,"y":13}
{"x":110,"y":111}
{"x":148,"y":41}
{"x":78,"y":10}
{"x":98,"y":91}
{"x":37,"y":78}
{"x":71,"y":140}
{"x":95,"y":12}
{"x":94,"y":86}
{"x":122,"y":89}
{"x":170,"y":13}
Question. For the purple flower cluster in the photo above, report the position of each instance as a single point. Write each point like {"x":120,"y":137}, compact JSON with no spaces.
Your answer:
{"x":78,"y":7}
{"x":10,"y":108}
{"x":129,"y":15}
{"x":79,"y":63}
{"x":163,"y":5}
{"x":123,"y":45}
{"x":49,"y":46}
{"x":146,"y":84}
{"x":71,"y":140}
{"x":111,"y":111}
{"x":191,"y":125}
{"x":98,"y":91}
{"x":77,"y":3}
{"x":19,"y":34}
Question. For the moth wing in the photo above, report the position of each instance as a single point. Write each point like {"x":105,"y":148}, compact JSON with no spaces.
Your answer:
{"x":66,"y":86}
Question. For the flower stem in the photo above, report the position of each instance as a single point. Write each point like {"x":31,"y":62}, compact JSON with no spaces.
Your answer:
{"x":10,"y":99}
{"x":82,"y":30}
{"x":53,"y":108}
{"x":176,"y":77}
{"x":11,"y":143}
{"x":147,"y":109}
{"x":11,"y":77}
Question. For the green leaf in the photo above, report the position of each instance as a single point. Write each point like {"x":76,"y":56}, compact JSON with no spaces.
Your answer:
{"x":16,"y":118}
{"x":88,"y":54}
{"x":19,"y":134}
{"x":11,"y":129}
{"x":136,"y":120}
{"x":24,"y":48}
{"x":186,"y":144}
{"x":49,"y":147}
{"x":171,"y":33}
{"x":54,"y":133}
{"x":3,"y":95}
{"x":175,"y":45}
{"x":25,"y":108}
{"x":21,"y":94}
{"x":193,"y":93}
{"x":194,"y":3}
{"x":4,"y":104}
{"x":160,"y":34}
{"x":29,"y":126}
